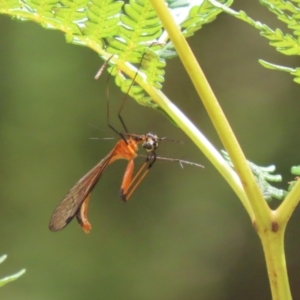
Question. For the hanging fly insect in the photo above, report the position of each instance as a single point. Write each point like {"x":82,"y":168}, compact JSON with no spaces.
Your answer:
{"x":75,"y":203}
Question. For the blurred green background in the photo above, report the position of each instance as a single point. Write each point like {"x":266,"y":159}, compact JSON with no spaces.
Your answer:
{"x":183,"y":234}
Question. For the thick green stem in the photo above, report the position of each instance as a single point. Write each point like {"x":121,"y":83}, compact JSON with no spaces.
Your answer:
{"x":273,"y":245}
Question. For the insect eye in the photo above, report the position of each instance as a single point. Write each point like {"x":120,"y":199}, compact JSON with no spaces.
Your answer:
{"x":150,"y":144}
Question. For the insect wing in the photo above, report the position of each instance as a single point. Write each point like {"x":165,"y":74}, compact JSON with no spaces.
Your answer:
{"x":70,"y":205}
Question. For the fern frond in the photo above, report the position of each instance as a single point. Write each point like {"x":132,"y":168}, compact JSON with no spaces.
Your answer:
{"x":287,"y":44}
{"x":102,"y":19}
{"x":153,"y":67}
{"x":263,"y":177}
{"x":294,"y":72}
{"x":43,"y":8}
{"x":126,"y":31}
{"x":286,"y":12}
{"x":278,"y":6}
{"x":284,"y":43}
{"x":138,"y":27}
{"x":68,"y":14}
{"x":7,"y":6}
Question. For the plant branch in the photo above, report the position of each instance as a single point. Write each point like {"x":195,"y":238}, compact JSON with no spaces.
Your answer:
{"x":285,"y":210}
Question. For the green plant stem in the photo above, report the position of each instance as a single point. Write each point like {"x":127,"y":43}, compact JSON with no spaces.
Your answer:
{"x":273,"y":245}
{"x":285,"y":210}
{"x":259,"y":206}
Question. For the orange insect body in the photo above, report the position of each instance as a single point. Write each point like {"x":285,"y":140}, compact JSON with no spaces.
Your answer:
{"x":75,"y":203}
